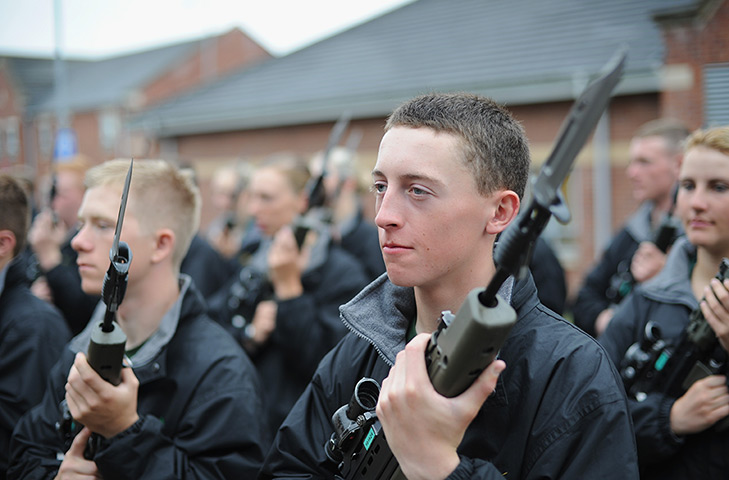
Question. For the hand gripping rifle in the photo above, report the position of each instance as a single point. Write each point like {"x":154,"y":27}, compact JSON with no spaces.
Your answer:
{"x":106,"y":346}
{"x":466,"y":343}
{"x":654,"y":365}
{"x":622,"y":281}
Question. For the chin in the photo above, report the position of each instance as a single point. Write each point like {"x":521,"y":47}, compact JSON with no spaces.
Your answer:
{"x":403,"y":279}
{"x":91,"y":287}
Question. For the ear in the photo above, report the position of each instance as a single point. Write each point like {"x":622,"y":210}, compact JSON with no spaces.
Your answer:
{"x":165,"y":241}
{"x":302,"y":202}
{"x":506,"y":206}
{"x":678,"y":160}
{"x":7,"y":244}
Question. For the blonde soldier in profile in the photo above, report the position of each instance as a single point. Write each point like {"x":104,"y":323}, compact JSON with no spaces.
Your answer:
{"x":189,"y":407}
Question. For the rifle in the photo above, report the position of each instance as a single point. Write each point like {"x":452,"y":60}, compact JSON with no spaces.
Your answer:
{"x":106,"y":347}
{"x":315,"y":190}
{"x":654,"y":365}
{"x":466,"y":343}
{"x":253,"y":286}
{"x":622,"y":282}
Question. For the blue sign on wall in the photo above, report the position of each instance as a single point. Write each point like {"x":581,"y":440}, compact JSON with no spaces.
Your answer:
{"x":65,"y":147}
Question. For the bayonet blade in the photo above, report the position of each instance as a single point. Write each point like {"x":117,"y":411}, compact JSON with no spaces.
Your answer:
{"x":334,"y":137}
{"x":580,"y":122}
{"x":120,"y":218}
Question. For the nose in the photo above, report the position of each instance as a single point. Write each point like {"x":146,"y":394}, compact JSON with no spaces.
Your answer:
{"x":632,"y":170}
{"x":80,"y":241}
{"x":697,"y":199}
{"x":253,"y":206}
{"x":387,"y":211}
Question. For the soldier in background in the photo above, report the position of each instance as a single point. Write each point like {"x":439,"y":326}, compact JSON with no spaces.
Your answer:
{"x":32,"y":332}
{"x":656,"y":152}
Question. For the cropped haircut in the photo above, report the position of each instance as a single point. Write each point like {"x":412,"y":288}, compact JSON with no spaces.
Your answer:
{"x":15,"y":209}
{"x":495,"y":147}
{"x":160,"y":196}
{"x":716,"y":138}
{"x":291,"y":166}
{"x":672,"y":131}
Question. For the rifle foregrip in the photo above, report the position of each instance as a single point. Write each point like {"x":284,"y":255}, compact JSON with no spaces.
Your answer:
{"x":106,"y":352}
{"x":457,"y":354}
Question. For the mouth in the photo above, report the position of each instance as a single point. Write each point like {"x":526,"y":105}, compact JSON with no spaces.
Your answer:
{"x":391,"y":247}
{"x":699,"y":224}
{"x":84,"y":266}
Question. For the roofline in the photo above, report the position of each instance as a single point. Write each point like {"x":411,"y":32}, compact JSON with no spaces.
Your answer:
{"x":328,"y":110}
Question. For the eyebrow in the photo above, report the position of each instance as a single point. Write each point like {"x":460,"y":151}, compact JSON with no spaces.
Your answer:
{"x":411,"y":177}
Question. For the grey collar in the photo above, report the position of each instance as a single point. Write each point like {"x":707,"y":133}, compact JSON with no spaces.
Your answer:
{"x":152,"y":346}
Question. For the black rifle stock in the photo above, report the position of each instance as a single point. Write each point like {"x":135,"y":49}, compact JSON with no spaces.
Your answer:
{"x":466,"y":343}
{"x":654,"y":365}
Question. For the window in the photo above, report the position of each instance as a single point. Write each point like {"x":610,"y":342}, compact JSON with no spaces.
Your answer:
{"x":45,"y":135}
{"x":716,"y":94}
{"x":109,"y":126}
{"x":12,"y":137}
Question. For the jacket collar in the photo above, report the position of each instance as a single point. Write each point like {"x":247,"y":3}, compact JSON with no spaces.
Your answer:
{"x":150,"y":361}
{"x":382,"y":312}
{"x":672,"y":284}
{"x":639,"y":225}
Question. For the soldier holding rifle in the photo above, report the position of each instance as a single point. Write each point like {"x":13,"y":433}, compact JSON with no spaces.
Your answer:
{"x":449,"y":177}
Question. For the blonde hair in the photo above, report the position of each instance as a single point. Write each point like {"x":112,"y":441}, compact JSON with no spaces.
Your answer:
{"x":716,"y":138}
{"x":291,"y":166}
{"x":161,"y":196}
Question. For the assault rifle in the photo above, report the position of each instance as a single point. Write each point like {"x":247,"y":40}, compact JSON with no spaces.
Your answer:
{"x":467,"y":342}
{"x":106,"y":347}
{"x":654,"y":365}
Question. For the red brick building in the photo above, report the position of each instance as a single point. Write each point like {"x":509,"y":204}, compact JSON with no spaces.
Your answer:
{"x":98,"y":96}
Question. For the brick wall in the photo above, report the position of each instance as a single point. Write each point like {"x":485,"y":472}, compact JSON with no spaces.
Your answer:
{"x":216,"y":57}
{"x":693,"y":41}
{"x":10,"y":107}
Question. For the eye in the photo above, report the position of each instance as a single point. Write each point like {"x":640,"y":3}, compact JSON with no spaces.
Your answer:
{"x":686,"y":185}
{"x":720,"y":187}
{"x":378,"y":187}
{"x":418,"y":191}
{"x":104,"y":225}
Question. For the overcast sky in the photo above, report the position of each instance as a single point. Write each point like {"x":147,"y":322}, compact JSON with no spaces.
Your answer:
{"x":98,"y":28}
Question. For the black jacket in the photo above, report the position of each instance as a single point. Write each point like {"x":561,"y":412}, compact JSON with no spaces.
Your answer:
{"x":32,"y":336}
{"x":593,"y":296}
{"x":548,"y":276}
{"x":199,"y":406}
{"x":207,"y":267}
{"x":667,"y":300}
{"x":558,"y":410}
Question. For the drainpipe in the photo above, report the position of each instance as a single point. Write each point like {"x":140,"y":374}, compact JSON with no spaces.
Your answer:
{"x":601,"y":185}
